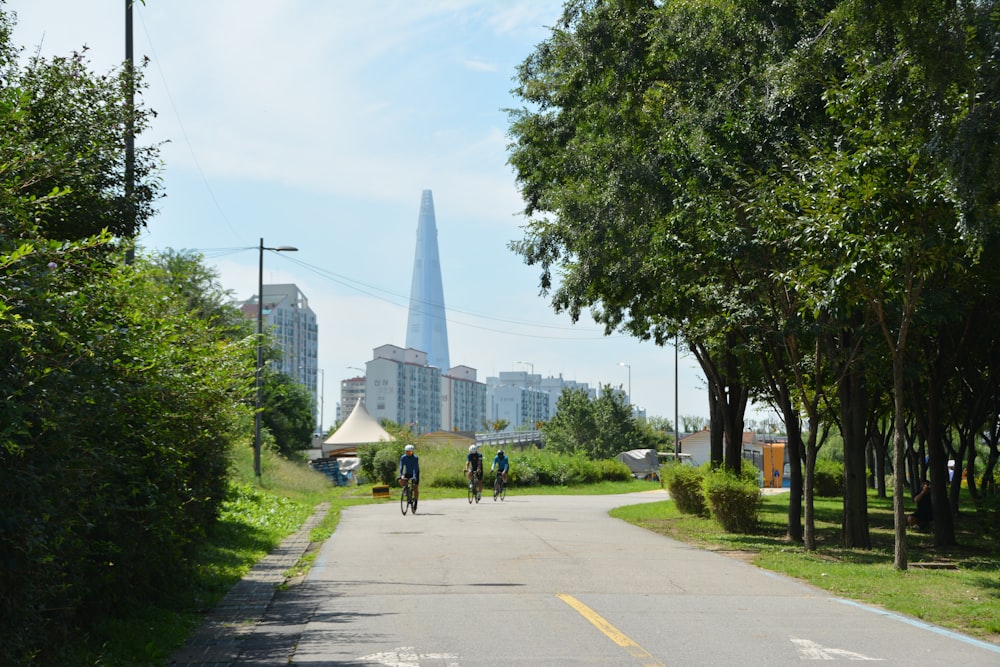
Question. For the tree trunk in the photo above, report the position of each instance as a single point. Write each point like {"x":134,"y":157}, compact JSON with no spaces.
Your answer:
{"x":810,"y":484}
{"x":899,"y":464}
{"x":937,"y":456}
{"x":734,"y":408}
{"x":853,"y":410}
{"x":881,"y":434}
{"x":728,"y":402}
{"x":717,"y":429}
{"x":794,"y":452}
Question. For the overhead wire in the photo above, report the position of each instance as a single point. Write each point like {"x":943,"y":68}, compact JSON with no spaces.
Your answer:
{"x":187,"y":140}
{"x":372,"y":291}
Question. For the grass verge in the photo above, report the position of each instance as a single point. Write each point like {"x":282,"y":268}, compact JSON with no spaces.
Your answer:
{"x":956,"y":588}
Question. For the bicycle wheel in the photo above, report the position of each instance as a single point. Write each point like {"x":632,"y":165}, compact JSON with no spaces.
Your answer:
{"x":496,"y":487}
{"x":404,"y":499}
{"x":472,"y":490}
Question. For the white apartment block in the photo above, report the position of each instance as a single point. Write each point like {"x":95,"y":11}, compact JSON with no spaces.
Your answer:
{"x":351,"y":390}
{"x":521,"y":407}
{"x":292,"y":325}
{"x":401,"y":387}
{"x":524,"y":399}
{"x":463,"y":400}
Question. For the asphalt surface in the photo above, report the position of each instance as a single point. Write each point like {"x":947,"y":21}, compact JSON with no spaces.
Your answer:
{"x":542,"y":580}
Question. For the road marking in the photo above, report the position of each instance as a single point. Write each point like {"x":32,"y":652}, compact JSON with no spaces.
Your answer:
{"x":925,"y":626}
{"x":613,"y":633}
{"x":406,"y":656}
{"x":810,"y":650}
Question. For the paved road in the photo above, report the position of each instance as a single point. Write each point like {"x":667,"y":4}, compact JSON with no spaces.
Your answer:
{"x":552,"y":580}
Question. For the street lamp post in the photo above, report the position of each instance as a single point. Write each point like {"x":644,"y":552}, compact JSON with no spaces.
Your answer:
{"x":322,"y":390}
{"x":629,"y":366}
{"x":677,"y":431}
{"x":260,"y":351}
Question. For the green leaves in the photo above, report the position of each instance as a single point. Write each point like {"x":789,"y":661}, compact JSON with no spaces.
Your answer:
{"x":596,"y":428}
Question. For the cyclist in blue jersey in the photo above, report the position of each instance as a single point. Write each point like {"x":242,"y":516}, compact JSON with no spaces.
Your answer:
{"x":474,"y":466}
{"x":409,"y":468}
{"x":501,"y":462}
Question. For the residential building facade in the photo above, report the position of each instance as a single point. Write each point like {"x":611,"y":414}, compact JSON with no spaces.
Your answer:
{"x":463,"y":400}
{"x":401,"y":387}
{"x":293,"y":326}
{"x":524,"y":399}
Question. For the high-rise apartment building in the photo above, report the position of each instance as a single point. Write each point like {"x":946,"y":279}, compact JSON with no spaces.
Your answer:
{"x":524,"y":399}
{"x":427,"y":327}
{"x":351,"y":391}
{"x":292,"y":324}
{"x":401,"y":387}
{"x":463,"y":400}
{"x":521,"y":407}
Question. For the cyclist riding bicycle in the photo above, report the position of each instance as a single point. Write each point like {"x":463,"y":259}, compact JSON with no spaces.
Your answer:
{"x":501,"y":462}
{"x":409,"y":468}
{"x":474,"y":466}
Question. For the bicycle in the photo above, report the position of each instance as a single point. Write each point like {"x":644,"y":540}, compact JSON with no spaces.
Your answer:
{"x":474,"y":492}
{"x":406,"y":499}
{"x":499,"y":488}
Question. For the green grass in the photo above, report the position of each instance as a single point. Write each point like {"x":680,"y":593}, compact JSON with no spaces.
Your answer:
{"x":956,"y":588}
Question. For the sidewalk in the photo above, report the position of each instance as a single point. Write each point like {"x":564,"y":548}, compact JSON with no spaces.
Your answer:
{"x":219,"y":639}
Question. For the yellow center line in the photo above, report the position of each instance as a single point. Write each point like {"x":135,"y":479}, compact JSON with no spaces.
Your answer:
{"x":613,"y":633}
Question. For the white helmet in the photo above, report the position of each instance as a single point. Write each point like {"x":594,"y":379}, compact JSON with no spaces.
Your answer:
{"x":409,"y":448}
{"x":472,"y":448}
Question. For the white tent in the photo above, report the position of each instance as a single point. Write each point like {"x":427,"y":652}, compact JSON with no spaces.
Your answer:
{"x":358,"y":429}
{"x":643,"y":463}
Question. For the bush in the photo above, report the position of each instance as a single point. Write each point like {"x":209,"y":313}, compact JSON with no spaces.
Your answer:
{"x":379,"y":461}
{"x":613,"y":470}
{"x":386,"y":464}
{"x":684,"y":485}
{"x":829,"y":478}
{"x":732,"y":500}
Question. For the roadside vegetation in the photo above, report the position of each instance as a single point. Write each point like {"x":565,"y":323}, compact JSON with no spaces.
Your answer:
{"x":442,"y":466}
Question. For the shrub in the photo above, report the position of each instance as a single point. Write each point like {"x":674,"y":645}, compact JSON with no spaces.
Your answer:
{"x":613,"y":470}
{"x":521,"y":474}
{"x":386,"y":464}
{"x":829,"y":478}
{"x":379,"y":461}
{"x":732,"y":500}
{"x":684,"y":485}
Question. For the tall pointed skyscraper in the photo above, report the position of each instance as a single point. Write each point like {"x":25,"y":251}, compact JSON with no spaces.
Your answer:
{"x":427,"y":328}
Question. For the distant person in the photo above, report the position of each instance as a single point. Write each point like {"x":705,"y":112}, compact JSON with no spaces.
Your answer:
{"x":925,"y":513}
{"x":474,"y":466}
{"x":409,"y":468}
{"x":501,"y":462}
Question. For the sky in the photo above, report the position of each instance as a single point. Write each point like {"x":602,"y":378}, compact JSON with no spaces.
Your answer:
{"x":318,"y":124}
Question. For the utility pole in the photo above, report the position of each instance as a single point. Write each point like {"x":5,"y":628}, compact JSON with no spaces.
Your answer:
{"x":129,"y":130}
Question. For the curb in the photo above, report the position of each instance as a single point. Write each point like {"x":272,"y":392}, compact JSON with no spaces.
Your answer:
{"x":218,"y":640}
